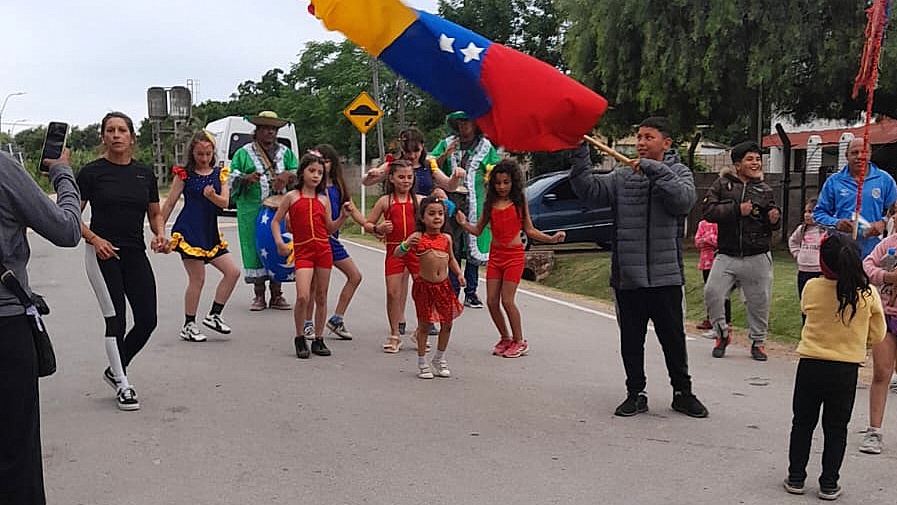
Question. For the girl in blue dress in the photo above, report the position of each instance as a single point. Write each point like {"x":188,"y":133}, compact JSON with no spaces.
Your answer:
{"x":195,"y":234}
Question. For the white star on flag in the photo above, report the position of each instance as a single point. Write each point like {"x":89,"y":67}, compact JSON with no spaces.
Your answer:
{"x":263,"y":253}
{"x":471,"y":52}
{"x":446,"y":42}
{"x":264,"y":218}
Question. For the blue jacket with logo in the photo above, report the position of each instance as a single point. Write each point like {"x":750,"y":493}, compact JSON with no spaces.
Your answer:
{"x":838,"y":200}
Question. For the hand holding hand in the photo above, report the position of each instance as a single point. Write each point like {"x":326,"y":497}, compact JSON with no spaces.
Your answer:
{"x":384,"y":228}
{"x":159,"y":244}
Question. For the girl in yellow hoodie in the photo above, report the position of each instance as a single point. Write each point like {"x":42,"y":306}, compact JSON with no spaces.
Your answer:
{"x":844,"y":314}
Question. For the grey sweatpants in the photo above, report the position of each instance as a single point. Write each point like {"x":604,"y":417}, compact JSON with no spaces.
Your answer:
{"x":754,"y":275}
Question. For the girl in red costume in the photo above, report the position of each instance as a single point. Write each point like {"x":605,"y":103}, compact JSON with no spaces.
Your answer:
{"x":308,"y":208}
{"x":434,"y":297}
{"x":505,"y":208}
{"x":398,"y":207}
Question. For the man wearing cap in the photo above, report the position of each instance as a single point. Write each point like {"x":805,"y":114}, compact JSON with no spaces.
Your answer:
{"x":260,"y":169}
{"x":467,"y":148}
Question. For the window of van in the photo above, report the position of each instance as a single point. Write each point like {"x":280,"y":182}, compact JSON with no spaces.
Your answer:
{"x":238,"y":140}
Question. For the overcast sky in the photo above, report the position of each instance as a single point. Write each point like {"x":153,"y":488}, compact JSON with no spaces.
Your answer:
{"x":78,"y":59}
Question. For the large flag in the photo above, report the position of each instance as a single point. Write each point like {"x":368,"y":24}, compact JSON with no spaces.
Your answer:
{"x":518,"y":101}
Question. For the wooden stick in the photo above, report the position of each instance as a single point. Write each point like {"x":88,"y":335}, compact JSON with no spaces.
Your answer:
{"x":611,"y":151}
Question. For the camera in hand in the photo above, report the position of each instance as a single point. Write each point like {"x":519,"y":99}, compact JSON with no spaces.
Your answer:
{"x":54,"y":142}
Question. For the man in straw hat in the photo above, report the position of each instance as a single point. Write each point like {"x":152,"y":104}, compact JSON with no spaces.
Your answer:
{"x":260,"y":169}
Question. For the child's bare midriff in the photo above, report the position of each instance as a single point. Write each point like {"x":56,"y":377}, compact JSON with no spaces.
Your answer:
{"x":433,"y":265}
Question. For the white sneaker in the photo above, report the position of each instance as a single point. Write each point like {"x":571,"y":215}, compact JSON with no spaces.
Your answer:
{"x":871,"y":443}
{"x":425,"y":372}
{"x":440,"y":368}
{"x":215,"y":322}
{"x":190,"y":333}
{"x":127,"y":399}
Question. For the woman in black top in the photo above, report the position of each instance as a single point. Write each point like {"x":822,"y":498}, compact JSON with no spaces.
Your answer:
{"x":121,"y":192}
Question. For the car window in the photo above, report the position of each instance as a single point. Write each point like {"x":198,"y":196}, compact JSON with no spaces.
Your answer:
{"x":563,"y":190}
{"x":536,"y":186}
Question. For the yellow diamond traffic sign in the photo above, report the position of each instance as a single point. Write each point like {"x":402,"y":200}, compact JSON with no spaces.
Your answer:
{"x":363,"y":112}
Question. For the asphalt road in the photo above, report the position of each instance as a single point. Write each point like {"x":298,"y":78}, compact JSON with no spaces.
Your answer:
{"x":239,"y":420}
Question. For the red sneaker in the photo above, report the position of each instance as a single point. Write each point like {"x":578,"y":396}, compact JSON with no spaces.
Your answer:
{"x":501,"y":346}
{"x":705,"y":325}
{"x":516,"y":349}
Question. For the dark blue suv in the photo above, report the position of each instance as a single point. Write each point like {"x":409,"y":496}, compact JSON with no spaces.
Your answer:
{"x":553,"y":206}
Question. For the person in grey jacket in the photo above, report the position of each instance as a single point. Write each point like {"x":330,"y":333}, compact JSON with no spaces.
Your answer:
{"x":650,"y":201}
{"x":24,"y":205}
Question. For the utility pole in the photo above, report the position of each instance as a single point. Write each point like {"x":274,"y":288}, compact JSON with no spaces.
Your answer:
{"x":3,"y":107}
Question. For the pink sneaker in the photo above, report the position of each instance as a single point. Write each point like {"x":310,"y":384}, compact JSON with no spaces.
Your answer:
{"x":516,"y":349}
{"x":501,"y":346}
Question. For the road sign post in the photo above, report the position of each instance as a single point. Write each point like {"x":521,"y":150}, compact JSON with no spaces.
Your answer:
{"x":363,"y":113}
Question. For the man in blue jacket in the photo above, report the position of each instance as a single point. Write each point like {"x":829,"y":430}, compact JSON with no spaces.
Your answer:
{"x":838,"y":197}
{"x":650,"y":201}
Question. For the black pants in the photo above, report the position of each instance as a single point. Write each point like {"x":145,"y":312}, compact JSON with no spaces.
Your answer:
{"x":127,"y":279}
{"x":802,"y":278}
{"x":21,"y":472}
{"x":663,"y":306}
{"x":832,"y":386}
{"x":460,"y":248}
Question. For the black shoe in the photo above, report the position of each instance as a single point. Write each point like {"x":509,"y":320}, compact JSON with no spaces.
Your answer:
{"x":688,"y":404}
{"x":110,"y":379}
{"x":719,"y":348}
{"x":829,"y":493}
{"x":401,"y":329}
{"x":473,"y":301}
{"x":635,"y":403}
{"x":794,"y":486}
{"x":433,"y":330}
{"x":301,"y":347}
{"x":318,"y":348}
{"x":758,"y":352}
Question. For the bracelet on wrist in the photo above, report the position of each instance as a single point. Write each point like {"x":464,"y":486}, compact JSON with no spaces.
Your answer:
{"x":403,"y":247}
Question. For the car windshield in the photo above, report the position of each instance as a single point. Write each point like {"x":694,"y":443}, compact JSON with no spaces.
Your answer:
{"x":538,"y":185}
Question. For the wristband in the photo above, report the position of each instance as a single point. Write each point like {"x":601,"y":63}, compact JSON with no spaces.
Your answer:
{"x":403,"y":247}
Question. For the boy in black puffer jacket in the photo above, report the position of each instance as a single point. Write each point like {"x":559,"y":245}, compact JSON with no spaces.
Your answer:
{"x":744,"y":209}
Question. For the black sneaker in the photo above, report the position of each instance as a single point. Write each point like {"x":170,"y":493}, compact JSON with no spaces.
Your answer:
{"x":127,"y":399}
{"x":829,"y":493}
{"x":688,"y":404}
{"x":794,"y":486}
{"x":719,"y":348}
{"x":301,"y":347}
{"x":318,"y":348}
{"x":758,"y":352}
{"x":635,"y":403}
{"x":401,"y":329}
{"x":110,"y":379}
{"x":433,"y":330}
{"x":473,"y":301}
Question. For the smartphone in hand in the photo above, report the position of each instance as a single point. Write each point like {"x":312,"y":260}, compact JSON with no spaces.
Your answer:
{"x":54,"y":143}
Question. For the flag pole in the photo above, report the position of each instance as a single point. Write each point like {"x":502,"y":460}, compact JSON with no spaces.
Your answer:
{"x":611,"y":151}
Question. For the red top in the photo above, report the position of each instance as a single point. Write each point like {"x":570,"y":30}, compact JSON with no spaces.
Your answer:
{"x":438,"y":242}
{"x":506,"y":226}
{"x":307,"y":221}
{"x":402,"y":217}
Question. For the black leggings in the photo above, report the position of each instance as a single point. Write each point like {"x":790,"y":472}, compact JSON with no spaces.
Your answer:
{"x":21,"y":473}
{"x":114,"y":281}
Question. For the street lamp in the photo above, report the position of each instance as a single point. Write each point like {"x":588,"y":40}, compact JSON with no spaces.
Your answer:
{"x":13,"y":127}
{"x":3,"y":107}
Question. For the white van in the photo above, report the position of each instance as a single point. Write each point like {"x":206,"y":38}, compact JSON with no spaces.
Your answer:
{"x":233,"y":132}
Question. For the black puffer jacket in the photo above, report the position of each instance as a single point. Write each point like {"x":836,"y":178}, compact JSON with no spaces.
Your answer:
{"x":740,"y":235}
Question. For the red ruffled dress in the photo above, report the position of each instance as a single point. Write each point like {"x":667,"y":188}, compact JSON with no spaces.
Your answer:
{"x":434,"y":302}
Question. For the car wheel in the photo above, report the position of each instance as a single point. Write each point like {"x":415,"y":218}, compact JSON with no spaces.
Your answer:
{"x":527,"y":243}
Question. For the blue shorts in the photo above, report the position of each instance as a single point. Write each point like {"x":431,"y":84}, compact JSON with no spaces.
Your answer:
{"x":339,"y":252}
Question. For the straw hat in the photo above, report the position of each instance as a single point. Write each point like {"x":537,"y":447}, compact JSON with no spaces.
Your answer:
{"x":267,"y":118}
